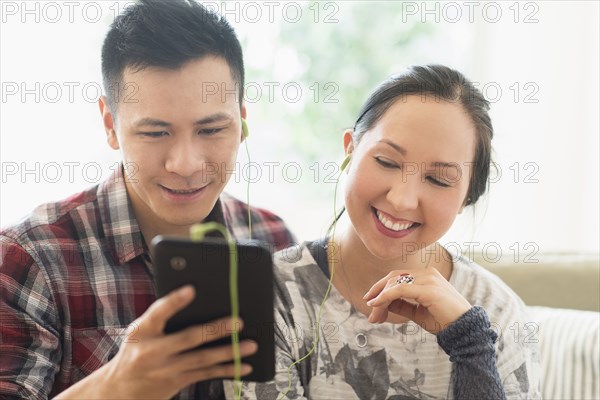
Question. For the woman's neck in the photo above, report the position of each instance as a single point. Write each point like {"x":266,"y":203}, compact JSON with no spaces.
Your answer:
{"x":361,"y":264}
{"x":358,"y":269}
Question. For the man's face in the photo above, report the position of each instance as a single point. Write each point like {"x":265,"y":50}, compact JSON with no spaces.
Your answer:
{"x":179,"y":135}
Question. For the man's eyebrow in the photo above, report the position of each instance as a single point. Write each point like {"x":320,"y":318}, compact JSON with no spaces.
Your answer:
{"x":151,"y":122}
{"x":396,"y":147}
{"x":218,"y":117}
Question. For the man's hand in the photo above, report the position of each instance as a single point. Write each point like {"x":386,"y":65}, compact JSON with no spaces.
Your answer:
{"x":158,"y":366}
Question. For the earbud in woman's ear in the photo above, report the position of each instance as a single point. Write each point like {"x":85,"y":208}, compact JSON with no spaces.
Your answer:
{"x":345,"y":163}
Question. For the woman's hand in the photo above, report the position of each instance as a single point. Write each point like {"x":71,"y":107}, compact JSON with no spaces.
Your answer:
{"x":430,"y":301}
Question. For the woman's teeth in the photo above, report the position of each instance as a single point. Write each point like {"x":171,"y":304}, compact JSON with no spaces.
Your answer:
{"x":391,"y":225}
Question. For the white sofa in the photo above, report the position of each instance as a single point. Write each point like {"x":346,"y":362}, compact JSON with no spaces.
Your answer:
{"x":562,"y":292}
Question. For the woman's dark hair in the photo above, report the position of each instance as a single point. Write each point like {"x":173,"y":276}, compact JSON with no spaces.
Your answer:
{"x":167,"y":34}
{"x":442,"y":83}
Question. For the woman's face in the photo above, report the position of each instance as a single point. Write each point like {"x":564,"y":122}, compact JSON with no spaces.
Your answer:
{"x":408,"y":178}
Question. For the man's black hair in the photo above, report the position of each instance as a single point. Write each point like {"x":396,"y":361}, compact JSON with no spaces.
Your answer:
{"x":167,"y":34}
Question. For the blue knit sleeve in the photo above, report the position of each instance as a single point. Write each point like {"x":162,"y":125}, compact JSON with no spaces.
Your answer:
{"x":469,"y":342}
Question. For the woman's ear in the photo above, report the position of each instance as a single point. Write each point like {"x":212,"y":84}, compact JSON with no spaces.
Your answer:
{"x":109,"y":123}
{"x":348,"y":141}
{"x":464,"y":204}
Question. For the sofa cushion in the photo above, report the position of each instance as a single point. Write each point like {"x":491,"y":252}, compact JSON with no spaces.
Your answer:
{"x":551,"y":280}
{"x":569,"y":351}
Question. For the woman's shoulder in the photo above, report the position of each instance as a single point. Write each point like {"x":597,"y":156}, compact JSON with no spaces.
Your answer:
{"x":300,"y":284}
{"x":481,"y":287}
{"x":295,"y":256}
{"x":297,"y":265}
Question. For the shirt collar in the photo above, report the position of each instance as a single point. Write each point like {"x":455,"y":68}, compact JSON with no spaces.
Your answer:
{"x":120,"y":226}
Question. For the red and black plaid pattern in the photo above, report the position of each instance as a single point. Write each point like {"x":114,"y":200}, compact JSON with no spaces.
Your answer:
{"x":75,"y":274}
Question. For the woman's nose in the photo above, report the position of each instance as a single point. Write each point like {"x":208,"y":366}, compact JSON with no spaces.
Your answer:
{"x":404,"y":191}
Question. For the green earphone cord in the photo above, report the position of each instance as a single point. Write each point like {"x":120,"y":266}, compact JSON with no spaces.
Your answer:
{"x":197,"y":233}
{"x":248,"y":192}
{"x":332,"y":263}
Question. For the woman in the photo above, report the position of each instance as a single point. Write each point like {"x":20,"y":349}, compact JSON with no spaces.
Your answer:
{"x":404,"y":318}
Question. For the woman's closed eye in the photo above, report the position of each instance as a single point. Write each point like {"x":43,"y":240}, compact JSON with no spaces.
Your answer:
{"x":384,"y":162}
{"x":437,"y":182}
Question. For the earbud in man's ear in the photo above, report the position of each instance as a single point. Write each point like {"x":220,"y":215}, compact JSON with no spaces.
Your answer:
{"x":345,"y":163}
{"x":245,"y":127}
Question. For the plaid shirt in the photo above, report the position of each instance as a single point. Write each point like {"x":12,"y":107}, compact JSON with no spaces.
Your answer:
{"x":75,"y":274}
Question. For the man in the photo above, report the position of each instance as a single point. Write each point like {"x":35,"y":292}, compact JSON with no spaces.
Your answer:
{"x":77,"y":302}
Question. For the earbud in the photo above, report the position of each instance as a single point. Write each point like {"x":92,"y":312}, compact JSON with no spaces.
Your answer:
{"x":245,"y":127}
{"x":345,"y":163}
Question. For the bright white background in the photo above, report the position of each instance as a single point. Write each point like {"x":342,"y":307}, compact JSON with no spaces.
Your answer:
{"x":549,"y":134}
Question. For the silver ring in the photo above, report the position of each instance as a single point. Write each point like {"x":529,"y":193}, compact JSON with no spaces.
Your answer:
{"x":406,"y":279}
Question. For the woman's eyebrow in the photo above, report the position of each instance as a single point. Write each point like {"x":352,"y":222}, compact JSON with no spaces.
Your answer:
{"x":444,"y":164}
{"x":395,"y":146}
{"x":403,"y":151}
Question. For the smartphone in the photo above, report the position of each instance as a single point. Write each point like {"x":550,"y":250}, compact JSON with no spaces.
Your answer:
{"x":205,"y":265}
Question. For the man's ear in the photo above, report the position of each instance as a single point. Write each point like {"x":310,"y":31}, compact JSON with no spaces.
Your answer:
{"x":348,"y":141}
{"x":109,"y":123}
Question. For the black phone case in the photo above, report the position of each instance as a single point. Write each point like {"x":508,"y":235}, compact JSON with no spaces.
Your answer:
{"x":206,"y":265}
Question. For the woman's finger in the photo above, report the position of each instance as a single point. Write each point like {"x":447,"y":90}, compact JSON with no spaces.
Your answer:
{"x":404,"y":309}
{"x":379,"y":286}
{"x":386,"y":296}
{"x":378,"y":314}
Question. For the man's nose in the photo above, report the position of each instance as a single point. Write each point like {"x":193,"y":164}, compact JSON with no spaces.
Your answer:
{"x":184,"y":158}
